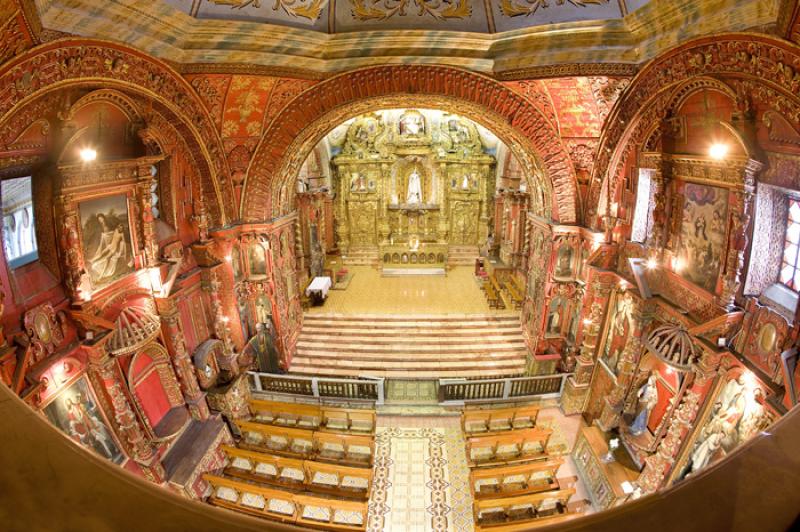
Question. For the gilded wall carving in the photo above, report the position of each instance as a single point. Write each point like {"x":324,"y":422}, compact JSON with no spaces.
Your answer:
{"x":412,"y":176}
{"x":385,"y":9}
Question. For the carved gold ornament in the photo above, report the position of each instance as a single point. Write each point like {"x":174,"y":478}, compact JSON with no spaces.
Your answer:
{"x":309,"y":9}
{"x":385,"y":9}
{"x":517,"y":8}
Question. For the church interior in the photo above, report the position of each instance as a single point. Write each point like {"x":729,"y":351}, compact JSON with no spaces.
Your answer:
{"x":400,"y":265}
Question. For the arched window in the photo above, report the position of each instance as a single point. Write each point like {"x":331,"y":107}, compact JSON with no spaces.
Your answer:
{"x":19,"y":232}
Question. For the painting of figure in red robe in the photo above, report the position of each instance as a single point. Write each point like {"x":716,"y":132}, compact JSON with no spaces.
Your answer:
{"x":74,"y":410}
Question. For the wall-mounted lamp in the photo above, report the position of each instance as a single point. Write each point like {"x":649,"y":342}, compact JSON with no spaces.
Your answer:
{"x":88,"y":155}
{"x":651,"y":264}
{"x":718,"y":151}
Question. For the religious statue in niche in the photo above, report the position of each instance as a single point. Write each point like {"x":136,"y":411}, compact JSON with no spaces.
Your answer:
{"x":263,"y":309}
{"x":554,"y":317}
{"x":236,"y":263}
{"x":647,"y":396}
{"x":107,"y":248}
{"x":738,"y":413}
{"x":257,"y":259}
{"x":412,"y":123}
{"x":564,"y":261}
{"x":702,"y":234}
{"x":74,"y":411}
{"x":414,"y":191}
{"x":262,"y":347}
{"x":619,"y":328}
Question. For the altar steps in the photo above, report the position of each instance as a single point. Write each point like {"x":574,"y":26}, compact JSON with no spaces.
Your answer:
{"x":410,"y":347}
{"x":462,"y":255}
{"x":367,"y":256}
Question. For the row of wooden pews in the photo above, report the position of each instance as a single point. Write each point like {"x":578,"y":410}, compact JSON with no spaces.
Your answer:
{"x":513,"y":480}
{"x":503,"y":291}
{"x":309,"y":465}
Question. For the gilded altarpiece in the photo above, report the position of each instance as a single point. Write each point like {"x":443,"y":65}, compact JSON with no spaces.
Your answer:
{"x":412,"y":182}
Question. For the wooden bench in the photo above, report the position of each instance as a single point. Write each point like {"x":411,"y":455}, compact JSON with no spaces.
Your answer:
{"x":283,"y":441}
{"x":346,"y":449}
{"x":348,"y":420}
{"x":291,"y":473}
{"x":315,"y":417}
{"x":487,"y":421}
{"x":516,"y":295}
{"x":301,"y":509}
{"x":507,"y":448}
{"x":514,"y":480}
{"x":531,"y":510}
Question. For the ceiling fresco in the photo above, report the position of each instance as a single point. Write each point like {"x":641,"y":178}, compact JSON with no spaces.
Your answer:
{"x":333,"y":16}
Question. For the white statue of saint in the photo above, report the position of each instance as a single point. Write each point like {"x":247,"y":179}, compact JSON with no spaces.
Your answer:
{"x":648,"y":399}
{"x":414,"y":193}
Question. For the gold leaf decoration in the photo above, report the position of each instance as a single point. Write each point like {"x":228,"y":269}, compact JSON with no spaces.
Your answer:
{"x":517,"y":8}
{"x":309,"y":9}
{"x":384,"y":9}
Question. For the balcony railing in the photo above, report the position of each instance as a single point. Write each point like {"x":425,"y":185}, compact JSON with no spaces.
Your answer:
{"x":362,"y":389}
{"x":461,"y":391}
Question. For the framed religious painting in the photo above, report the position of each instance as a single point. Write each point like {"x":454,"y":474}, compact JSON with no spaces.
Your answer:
{"x":106,"y":239}
{"x":74,"y":410}
{"x":701,"y":243}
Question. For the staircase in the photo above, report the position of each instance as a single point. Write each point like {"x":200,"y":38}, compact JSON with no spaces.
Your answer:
{"x":410,"y":347}
{"x":361,"y":256}
{"x":462,"y":255}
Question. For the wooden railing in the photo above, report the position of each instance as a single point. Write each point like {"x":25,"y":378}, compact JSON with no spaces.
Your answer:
{"x":461,"y":391}
{"x":365,"y":388}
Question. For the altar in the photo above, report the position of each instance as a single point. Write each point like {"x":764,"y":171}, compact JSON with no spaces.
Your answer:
{"x":410,"y":185}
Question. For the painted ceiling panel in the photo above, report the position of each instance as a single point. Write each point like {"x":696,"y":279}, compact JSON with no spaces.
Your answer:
{"x":479,"y":16}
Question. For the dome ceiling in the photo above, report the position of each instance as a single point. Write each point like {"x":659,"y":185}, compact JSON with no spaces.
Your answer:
{"x":482,"y":16}
{"x":511,"y":39}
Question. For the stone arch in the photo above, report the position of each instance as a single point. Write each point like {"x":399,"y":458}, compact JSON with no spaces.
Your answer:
{"x":751,"y":67}
{"x":289,"y":138}
{"x":70,"y":62}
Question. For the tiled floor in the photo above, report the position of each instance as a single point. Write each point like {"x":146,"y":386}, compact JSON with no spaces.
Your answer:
{"x":421,"y":476}
{"x":368,"y":293}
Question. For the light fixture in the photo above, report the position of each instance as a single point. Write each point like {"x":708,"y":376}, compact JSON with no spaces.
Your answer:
{"x":88,"y":155}
{"x":652,"y":264}
{"x":587,"y":321}
{"x":718,"y":151}
{"x":225,"y":319}
{"x":678,"y":264}
{"x":228,"y":258}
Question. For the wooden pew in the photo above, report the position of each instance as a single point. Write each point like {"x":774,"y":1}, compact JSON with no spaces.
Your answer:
{"x":251,"y":499}
{"x":286,"y":414}
{"x":291,"y":473}
{"x":297,"y":508}
{"x":507,"y":448}
{"x":347,"y":449}
{"x":493,"y":420}
{"x":331,"y":514}
{"x":284,"y":441}
{"x":531,"y":510}
{"x":348,"y":420}
{"x":514,"y":480}
{"x":315,"y":417}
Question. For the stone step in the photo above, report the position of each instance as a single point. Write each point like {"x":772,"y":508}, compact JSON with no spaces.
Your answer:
{"x":411,"y":346}
{"x":411,"y":374}
{"x":450,"y":319}
{"x":468,"y":341}
{"x":408,"y":356}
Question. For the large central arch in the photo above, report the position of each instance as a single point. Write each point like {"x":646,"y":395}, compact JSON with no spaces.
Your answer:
{"x":289,"y":138}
